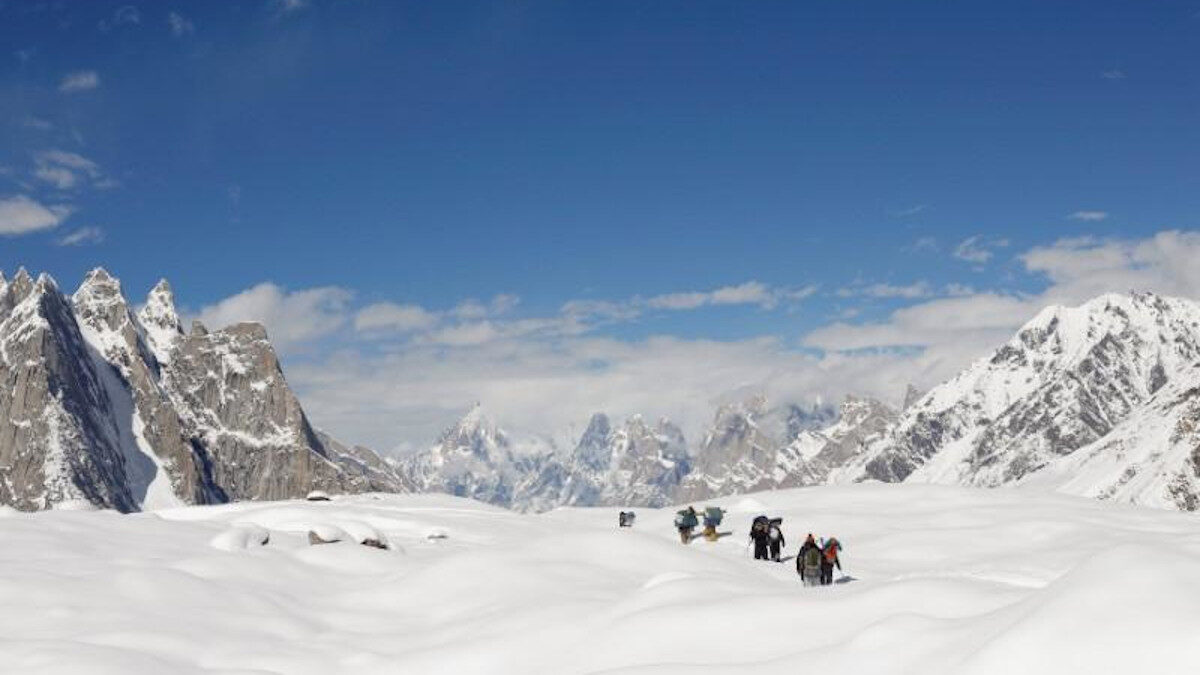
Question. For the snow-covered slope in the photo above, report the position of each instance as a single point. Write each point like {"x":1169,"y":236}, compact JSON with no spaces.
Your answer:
{"x":938,"y":580}
{"x":1152,"y":458}
{"x":1076,"y":387}
{"x":124,"y":411}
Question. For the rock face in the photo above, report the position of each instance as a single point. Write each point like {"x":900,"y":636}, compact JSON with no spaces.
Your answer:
{"x":59,"y":439}
{"x":1077,"y":392}
{"x":127,"y":412}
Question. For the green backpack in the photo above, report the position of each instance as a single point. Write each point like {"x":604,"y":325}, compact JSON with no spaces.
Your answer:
{"x":812,"y":558}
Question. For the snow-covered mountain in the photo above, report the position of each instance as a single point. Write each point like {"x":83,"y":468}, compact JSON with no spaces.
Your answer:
{"x":125,"y":411}
{"x":750,"y":446}
{"x":747,"y":449}
{"x":635,"y":463}
{"x":475,"y":458}
{"x":1097,"y":400}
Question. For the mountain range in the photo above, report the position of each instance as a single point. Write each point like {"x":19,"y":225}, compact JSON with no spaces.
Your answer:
{"x":123,"y":409}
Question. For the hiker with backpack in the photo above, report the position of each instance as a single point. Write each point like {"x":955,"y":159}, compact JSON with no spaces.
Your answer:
{"x":712,"y":520}
{"x":829,"y":558}
{"x":775,"y":538}
{"x":685,"y":522}
{"x":625,"y":519}
{"x":808,"y":562}
{"x":759,"y":534}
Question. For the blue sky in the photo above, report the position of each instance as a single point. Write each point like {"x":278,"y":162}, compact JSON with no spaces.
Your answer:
{"x":590,"y":174}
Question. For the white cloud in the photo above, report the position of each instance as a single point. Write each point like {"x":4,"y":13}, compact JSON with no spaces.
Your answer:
{"x":1113,"y":74}
{"x":65,"y":170}
{"x":910,"y":211}
{"x":292,"y":318}
{"x":548,"y":374}
{"x":748,"y":293}
{"x":179,"y":24}
{"x":1090,"y":216}
{"x":83,"y":80}
{"x":950,"y":332}
{"x":82,"y":236}
{"x":22,"y":215}
{"x":919,"y":289}
{"x":977,"y":249}
{"x":391,"y":316}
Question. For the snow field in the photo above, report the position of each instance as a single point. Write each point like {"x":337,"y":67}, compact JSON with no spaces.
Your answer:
{"x":945,"y":580}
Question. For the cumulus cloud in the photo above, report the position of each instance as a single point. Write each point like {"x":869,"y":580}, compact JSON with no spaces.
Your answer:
{"x":22,"y":215}
{"x":549,"y":374}
{"x":292,"y":318}
{"x":1089,"y":216}
{"x":83,"y":80}
{"x":946,"y":333}
{"x":81,"y":237}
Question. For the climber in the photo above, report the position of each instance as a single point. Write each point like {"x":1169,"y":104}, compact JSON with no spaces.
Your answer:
{"x":829,"y":558}
{"x":760,"y":536}
{"x":808,"y":562}
{"x":685,"y":522}
{"x":775,"y":537}
{"x":712,"y":520}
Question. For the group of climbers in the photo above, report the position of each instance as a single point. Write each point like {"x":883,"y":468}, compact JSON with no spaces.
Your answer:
{"x":688,"y":519}
{"x":767,"y":537}
{"x":814,"y":561}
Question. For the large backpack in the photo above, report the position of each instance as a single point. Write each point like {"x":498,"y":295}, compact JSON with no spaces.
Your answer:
{"x":812,"y":558}
{"x":760,"y":524}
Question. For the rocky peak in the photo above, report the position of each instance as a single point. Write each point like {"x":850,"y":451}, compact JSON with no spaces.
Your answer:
{"x":21,"y":286}
{"x":593,"y":449}
{"x":100,"y":303}
{"x":475,"y":434}
{"x":160,"y":320}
